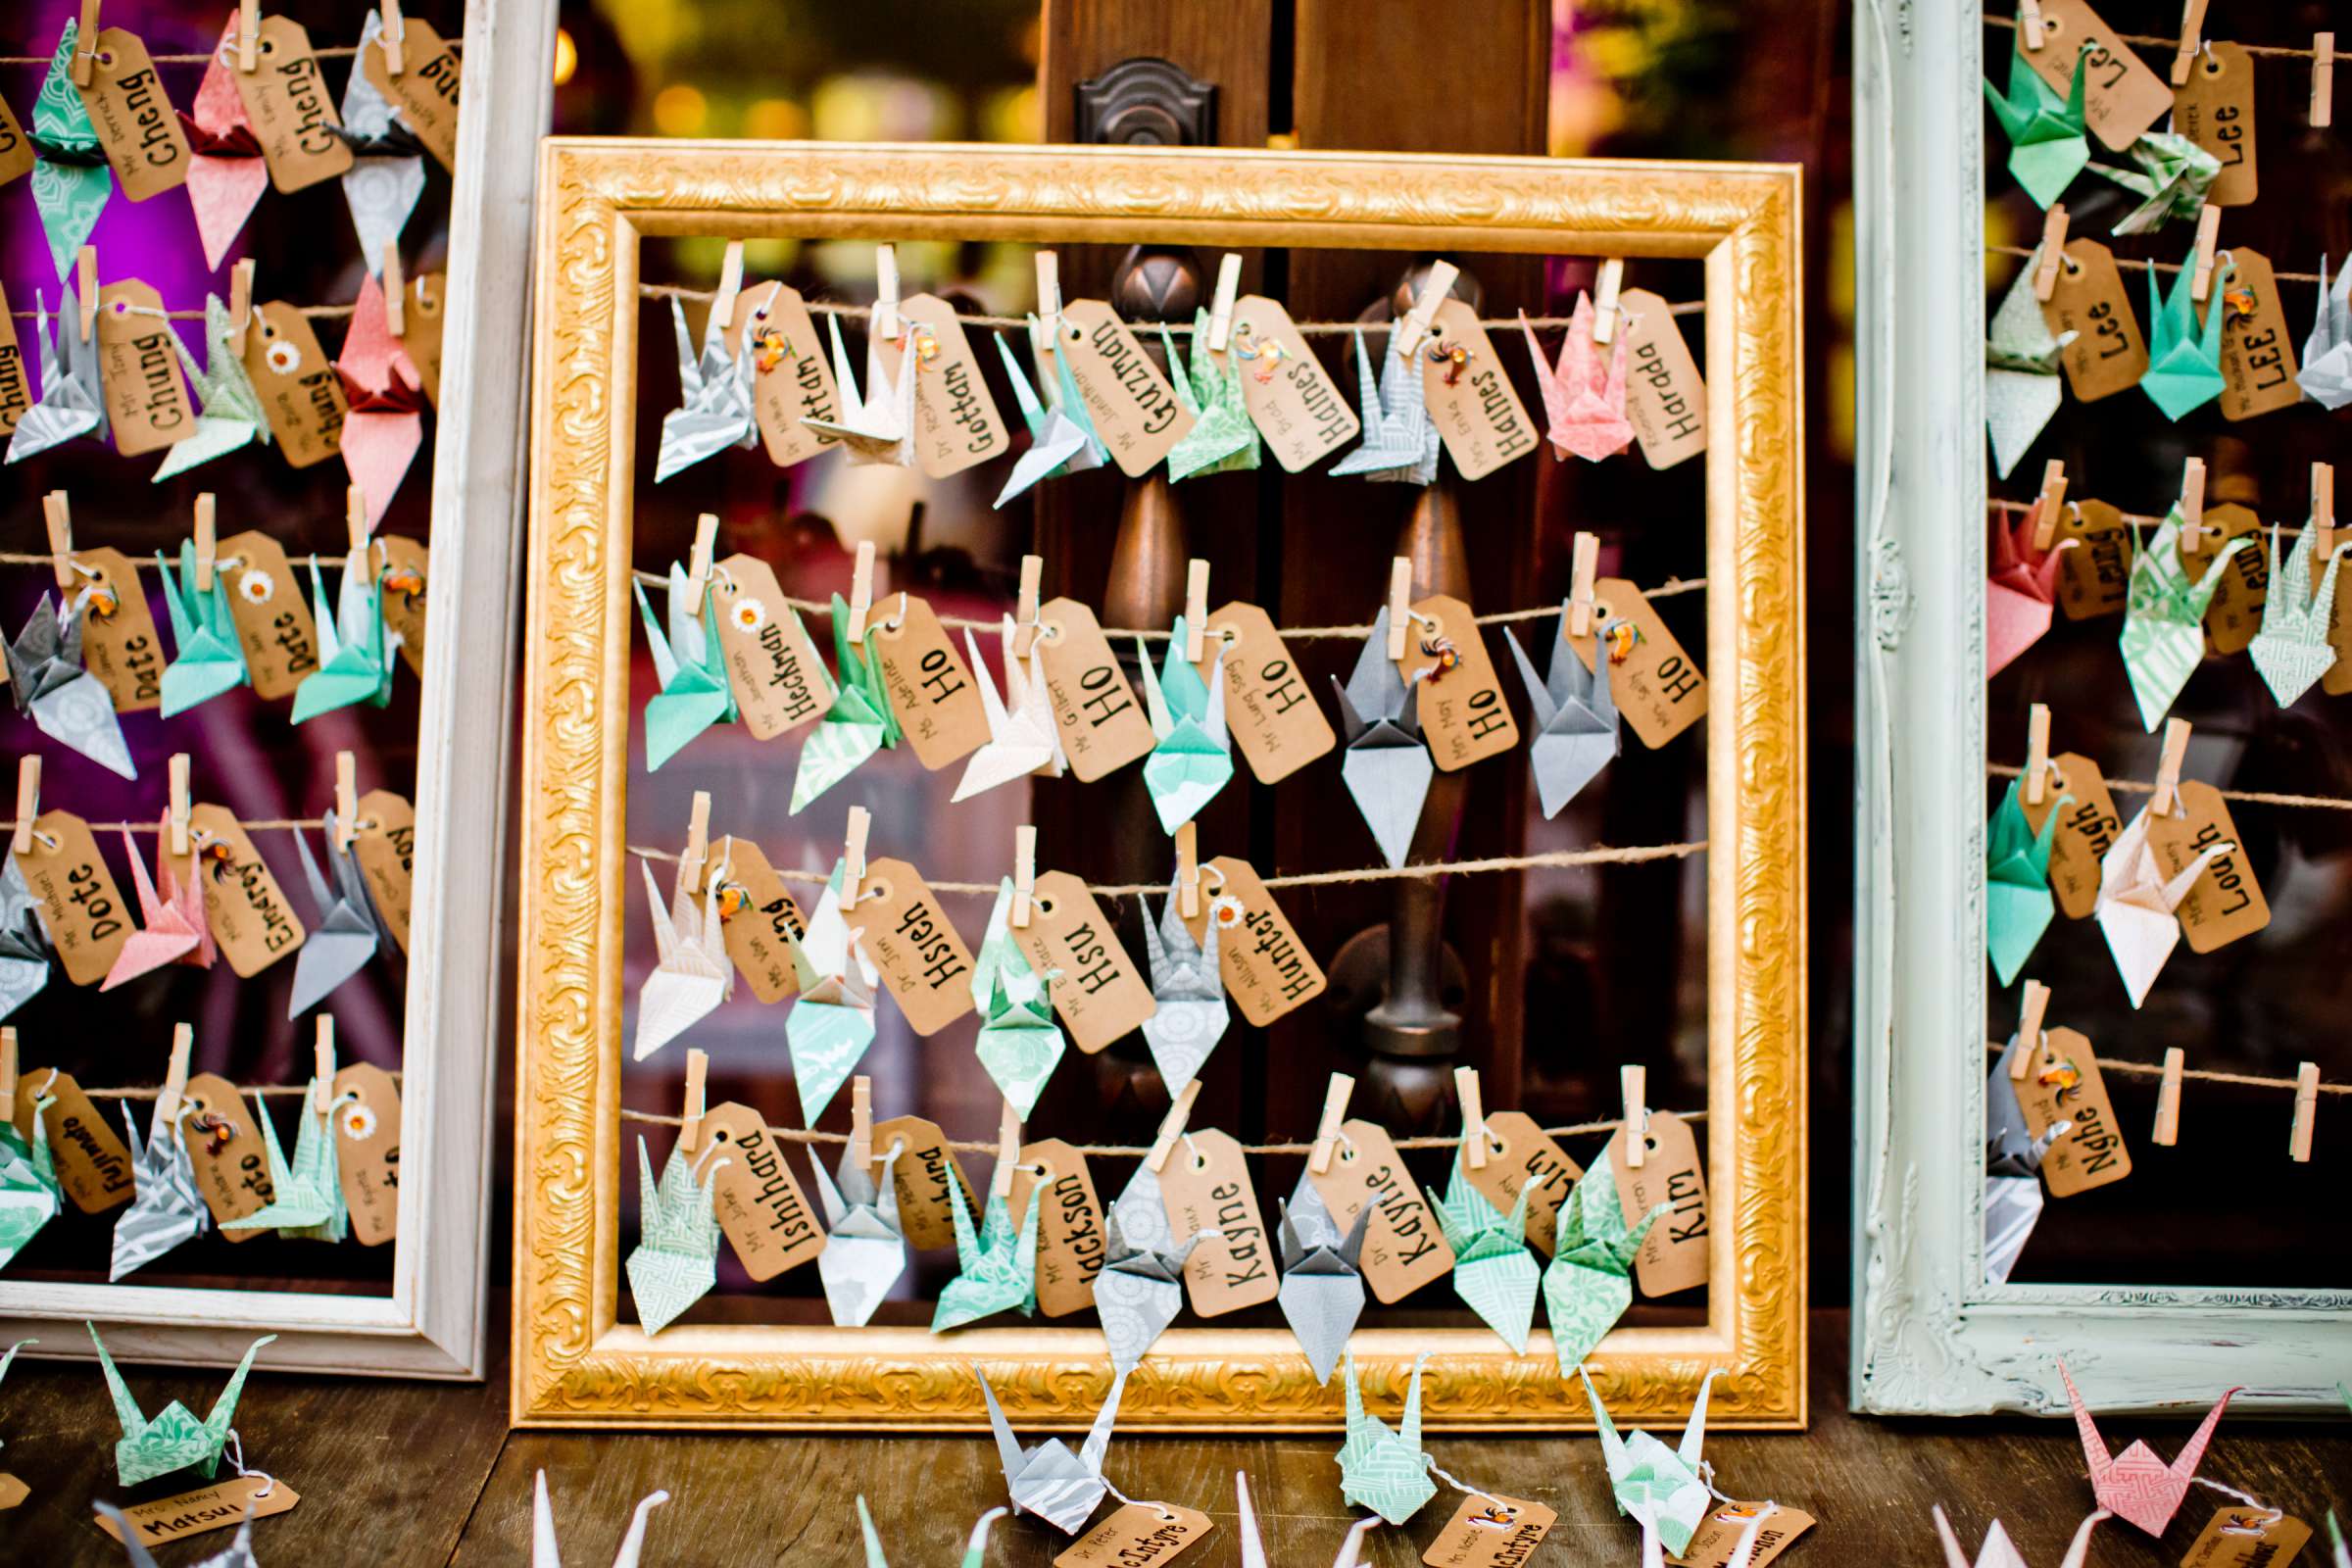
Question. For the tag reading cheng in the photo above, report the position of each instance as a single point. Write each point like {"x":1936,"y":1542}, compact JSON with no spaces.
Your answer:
{"x":293,"y":117}
{"x":425,"y":92}
{"x":135,"y":123}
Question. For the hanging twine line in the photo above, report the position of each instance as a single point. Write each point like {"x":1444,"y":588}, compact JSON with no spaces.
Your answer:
{"x":858,"y":312}
{"x":2130,"y":786}
{"x":287,"y":825}
{"x":332,"y":52}
{"x":2147,"y":1069}
{"x":2029,"y":252}
{"x":314,"y":312}
{"x":242,"y":1089}
{"x":2266,"y":50}
{"x":2018,"y":509}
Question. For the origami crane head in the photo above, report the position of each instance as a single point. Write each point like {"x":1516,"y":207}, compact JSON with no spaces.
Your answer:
{"x":2326,"y":374}
{"x":544,"y":1552}
{"x":714,"y":398}
{"x":73,"y":401}
{"x":1583,"y":403}
{"x":1020,"y":1043}
{"x":1588,"y":1287}
{"x":1664,"y":1490}
{"x":1386,"y":767}
{"x":676,"y":1260}
{"x":1322,"y":1281}
{"x":1494,"y":1272}
{"x":975,"y":1548}
{"x":1382,"y":1470}
{"x":2021,"y":594}
{"x":692,"y":974}
{"x":2185,"y":360}
{"x":2135,"y":1485}
{"x":832,"y":1021}
{"x":1046,"y":1479}
{"x":211,"y":661}
{"x":29,"y":1193}
{"x":2163,"y":616}
{"x":1189,"y":990}
{"x":46,"y":677}
{"x":866,"y":1252}
{"x":860,"y":723}
{"x":1997,"y":1550}
{"x":1022,"y":738}
{"x":997,"y":1270}
{"x":2137,"y":900}
{"x":354,"y":659}
{"x":23,"y":943}
{"x":2291,"y":649}
{"x":2022,"y":387}
{"x":1061,"y":438}
{"x":238,"y":1553}
{"x":70,"y":179}
{"x":348,"y":932}
{"x":166,"y":1208}
{"x":2018,"y":906}
{"x":1194,"y":759}
{"x":231,"y":410}
{"x":690,"y":666}
{"x":175,"y":1438}
{"x":1575,"y":721}
{"x":878,"y":428}
{"x":1222,"y":439}
{"x":2047,"y":148}
{"x":2173,"y":178}
{"x":1400,"y":440}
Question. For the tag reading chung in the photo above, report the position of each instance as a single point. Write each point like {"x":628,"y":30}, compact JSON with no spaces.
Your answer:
{"x":778,"y":679}
{"x":1665,"y":396}
{"x":791,"y":382}
{"x":367,"y":1150}
{"x":1674,"y":1255}
{"x":1071,"y":1243}
{"x":955,"y":419}
{"x":81,"y":909}
{"x":136,"y":125}
{"x":226,"y":1152}
{"x":249,"y":915}
{"x":1269,"y":711}
{"x":762,"y":926}
{"x":147,"y":404}
{"x":1291,"y":400}
{"x":1099,"y":993}
{"x":921,"y":1174}
{"x":761,"y":1208}
{"x":1656,"y":685}
{"x":2064,"y":1085}
{"x":931,"y":687}
{"x":1459,"y":698}
{"x":92,"y":1165}
{"x":1103,"y":724}
{"x":2108,"y":352}
{"x":1206,"y":1187}
{"x":1477,"y":412}
{"x":1268,"y":971}
{"x":119,"y":645}
{"x":923,"y":962}
{"x":1135,"y":410}
{"x":293,"y":118}
{"x":1520,"y":1154}
{"x":272,"y":619}
{"x":2226,"y":903}
{"x":1403,"y":1247}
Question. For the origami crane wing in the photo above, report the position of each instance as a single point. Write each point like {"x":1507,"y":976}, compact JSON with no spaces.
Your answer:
{"x":66,"y":701}
{"x":1190,"y":1010}
{"x":2047,"y":147}
{"x":2185,"y":364}
{"x":2135,"y":1485}
{"x":691,"y":976}
{"x":166,"y":1208}
{"x":1021,"y":740}
{"x":864,"y":1251}
{"x":1058,"y":444}
{"x":2022,"y":385}
{"x":878,"y":428}
{"x":382,"y":185}
{"x":2018,"y":906}
{"x":1222,"y":439}
{"x":1382,"y":1470}
{"x":70,"y":179}
{"x":1048,"y":1480}
{"x":164,"y":935}
{"x":1018,"y":1042}
{"x":1322,"y":1293}
{"x":2172,"y":178}
{"x":2291,"y":651}
{"x":210,"y":661}
{"x":230,"y":414}
{"x":23,"y":943}
{"x":29,"y":1193}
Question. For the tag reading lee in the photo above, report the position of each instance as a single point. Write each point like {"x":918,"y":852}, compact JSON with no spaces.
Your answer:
{"x":2064,"y":1086}
{"x":2226,"y":903}
{"x":1674,"y":1255}
{"x":1104,"y":726}
{"x":1403,"y":1247}
{"x":272,"y":619}
{"x":367,"y":1150}
{"x":147,"y":406}
{"x":2235,"y":614}
{"x":1099,"y":993}
{"x":2085,"y":833}
{"x":2247,"y":1537}
{"x":251,"y":918}
{"x":762,"y":924}
{"x":16,"y":392}
{"x":16,"y":149}
{"x":1269,"y":711}
{"x":1268,"y":971}
{"x":2108,"y":352}
{"x":1206,"y":1187}
{"x":2121,"y":96}
{"x":778,"y":679}
{"x":2094,"y":578}
{"x":1139,"y":1535}
{"x":385,"y":842}
{"x":293,"y":117}
{"x":226,"y":1152}
{"x":1071,"y":1243}
{"x":1291,"y":400}
{"x":1463,"y":715}
{"x":1490,"y":1532}
{"x":2215,"y":109}
{"x":1657,"y":686}
{"x":2258,"y":346}
{"x":119,"y":645}
{"x":931,"y":690}
{"x":955,"y":419}
{"x":81,"y":907}
{"x":790,"y":382}
{"x":428,"y":295}
{"x":1665,"y":396}
{"x":921,"y":1174}
{"x":92,"y":1165}
{"x":1135,"y":410}
{"x":1477,"y":410}
{"x":301,"y":397}
{"x":136,"y":125}
{"x":214,"y":1507}
{"x":766,"y":1217}
{"x":1520,"y":1154}
{"x":405,"y":570}
{"x":923,"y":962}
{"x":425,"y":92}
{"x":1717,"y":1539}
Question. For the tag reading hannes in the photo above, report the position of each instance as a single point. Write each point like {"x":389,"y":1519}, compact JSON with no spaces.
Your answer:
{"x":2235,"y":614}
{"x":81,"y":907}
{"x":1103,"y":724}
{"x":923,"y":962}
{"x":1655,"y":683}
{"x":425,"y":92}
{"x":1206,"y":1187}
{"x":147,"y":406}
{"x":2258,"y":346}
{"x":2108,"y":352}
{"x":791,"y":382}
{"x":119,"y":645}
{"x":1268,"y":971}
{"x":250,"y":916}
{"x":1071,"y":1243}
{"x":226,"y":1153}
{"x":1665,"y":396}
{"x":2121,"y":96}
{"x":135,"y":122}
{"x":1489,"y":1531}
{"x":1269,"y":711}
{"x":1477,"y":410}
{"x":367,"y":1150}
{"x":272,"y":619}
{"x":2094,"y":578}
{"x":214,"y":1507}
{"x":1521,"y":1155}
{"x":1293,"y":402}
{"x":955,"y":419}
{"x":293,"y":118}
{"x":760,"y":1204}
{"x":301,"y":397}
{"x":2064,"y":1086}
{"x":931,"y":690}
{"x":1135,"y":410}
{"x":1099,"y":993}
{"x":2085,"y":833}
{"x":2226,"y":903}
{"x":385,"y":842}
{"x":1403,"y":1247}
{"x":2215,"y":109}
{"x":1463,"y":715}
{"x":92,"y":1165}
{"x":1140,"y":1534}
{"x":1674,"y":1255}
{"x":762,"y":926}
{"x":777,"y":678}
{"x":921,"y":1174}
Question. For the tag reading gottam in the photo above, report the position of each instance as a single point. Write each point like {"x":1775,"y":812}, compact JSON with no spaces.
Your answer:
{"x":1665,"y":396}
{"x":791,"y":382}
{"x":2235,"y":614}
{"x":763,"y":927}
{"x":1463,"y":715}
{"x":92,"y":1165}
{"x":1071,"y":1243}
{"x":135,"y":120}
{"x":385,"y":842}
{"x":1103,"y":724}
{"x":2257,"y":347}
{"x":425,"y":92}
{"x":1655,"y":683}
{"x":2064,"y":1085}
{"x":2108,"y":352}
{"x":2121,"y":96}
{"x":1293,"y":402}
{"x":1135,"y":410}
{"x":2085,"y":833}
{"x":147,"y":406}
{"x":272,"y":619}
{"x":931,"y":691}
{"x":2215,"y":109}
{"x":301,"y":397}
{"x":1267,"y":969}
{"x":1674,"y":1255}
{"x":225,"y":1152}
{"x":1403,"y":1247}
{"x":920,"y":1174}
{"x":955,"y":419}
{"x":250,"y":916}
{"x":367,"y":1150}
{"x":2247,"y":1537}
{"x":1269,"y":711}
{"x":1477,"y":412}
{"x":1206,"y":1187}
{"x":2226,"y":903}
{"x":760,"y":1204}
{"x":923,"y":962}
{"x":2094,"y":578}
{"x":774,"y":671}
{"x":293,"y":118}
{"x":1491,"y":1531}
{"x":1099,"y":993}
{"x":80,"y":907}
{"x":119,"y":645}
{"x":214,"y":1507}
{"x":1521,"y":1156}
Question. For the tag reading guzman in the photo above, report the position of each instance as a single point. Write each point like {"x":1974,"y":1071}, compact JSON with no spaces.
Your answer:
{"x":2064,"y":1086}
{"x":80,"y":907}
{"x":1071,"y":1243}
{"x":921,"y":1174}
{"x":1268,"y":971}
{"x":1459,"y":697}
{"x":367,"y":1150}
{"x":759,"y":1205}
{"x":760,"y":925}
{"x":2107,"y":354}
{"x":2235,"y":614}
{"x":272,"y":619}
{"x":1135,"y":410}
{"x":293,"y":118}
{"x":213,"y":1507}
{"x":1477,"y":412}
{"x":955,"y":419}
{"x":923,"y":962}
{"x":1674,"y":1255}
{"x":1104,"y":727}
{"x":2094,"y":578}
{"x":425,"y":92}
{"x":2215,"y":109}
{"x":2257,"y":347}
{"x":1099,"y":993}
{"x":301,"y":397}
{"x":250,"y":914}
{"x":2226,"y":903}
{"x":1269,"y":711}
{"x":226,"y":1152}
{"x":147,"y":406}
{"x":1490,"y":1532}
{"x":1655,"y":683}
{"x":135,"y":122}
{"x":1140,"y":1534}
{"x":931,"y":691}
{"x":92,"y":1165}
{"x":1206,"y":1187}
{"x":1520,"y":1154}
{"x":119,"y":645}
{"x":1665,"y":396}
{"x":2121,"y":96}
{"x":1291,"y":399}
{"x":1404,"y":1247}
{"x":778,"y":679}
{"x":791,"y":382}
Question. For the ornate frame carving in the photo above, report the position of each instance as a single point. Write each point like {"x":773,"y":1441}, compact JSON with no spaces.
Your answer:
{"x":572,"y":1365}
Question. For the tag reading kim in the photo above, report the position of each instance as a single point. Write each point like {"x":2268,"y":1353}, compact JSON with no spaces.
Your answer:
{"x":214,"y":1507}
{"x":301,"y":397}
{"x":2094,"y":578}
{"x":1071,"y":1243}
{"x":119,"y":645}
{"x":2258,"y":346}
{"x":2121,"y":96}
{"x":767,"y":1218}
{"x":135,"y":122}
{"x":761,"y":929}
{"x":1665,"y":396}
{"x":1490,"y":1531}
{"x":939,"y":708}
{"x":1674,"y":1255}
{"x":955,"y":419}
{"x":425,"y":92}
{"x":1478,"y":413}
{"x":778,"y":679}
{"x":1099,"y":993}
{"x":251,"y":918}
{"x":92,"y":1165}
{"x":1291,"y":400}
{"x":1134,"y":409}
{"x":147,"y":406}
{"x":2107,"y":354}
{"x":1656,"y":684}
{"x":1104,"y":727}
{"x":921,"y":1174}
{"x":1268,"y":971}
{"x":2226,"y":903}
{"x":923,"y":962}
{"x":385,"y":842}
{"x":1459,"y":697}
{"x":293,"y":118}
{"x":367,"y":1150}
{"x":226,"y":1153}
{"x":2215,"y":109}
{"x":1206,"y":1187}
{"x":1403,"y":1247}
{"x":2064,"y":1086}
{"x":1269,"y":711}
{"x":272,"y":621}
{"x":1520,"y":1154}
{"x":791,"y":382}
{"x":1140,"y":1534}
{"x":2235,"y":614}
{"x":80,"y":907}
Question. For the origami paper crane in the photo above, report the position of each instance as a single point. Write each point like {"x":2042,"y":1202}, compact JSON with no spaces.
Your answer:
{"x":2046,"y":145}
{"x":1253,"y":1548}
{"x":832,"y":1021}
{"x":1046,"y":1479}
{"x":1494,"y":1272}
{"x":2021,"y":371}
{"x":2137,"y":904}
{"x":1386,"y":767}
{"x":29,"y":1194}
{"x":2018,"y":906}
{"x":1997,"y":1550}
{"x":231,"y":410}
{"x":2135,"y":1485}
{"x":690,"y":666}
{"x":23,"y":942}
{"x":1022,"y":738}
{"x":878,"y":428}
{"x":1322,"y":1284}
{"x":1663,"y":1490}
{"x":2335,"y":1539}
{"x":2163,"y":616}
{"x":1222,"y":439}
{"x":2021,"y":593}
{"x":2185,"y":361}
{"x":975,"y":1550}
{"x":1020,"y":1043}
{"x":994,"y":1273}
{"x":173,"y":928}
{"x":714,"y":400}
{"x":1382,"y":1470}
{"x":386,"y":175}
{"x":1589,"y":1284}
{"x":70,"y":180}
{"x":1583,"y":404}
{"x":225,"y":171}
{"x":866,"y":1252}
{"x":307,"y":1196}
{"x":238,"y":1553}
{"x":166,"y":1208}
{"x":2326,"y":374}
{"x":544,"y":1552}
{"x":860,"y":723}
{"x":354,"y":659}
{"x":676,"y":1260}
{"x":1194,"y":759}
{"x":348,"y":932}
{"x":2173,"y":180}
{"x":2293,"y":650}
{"x":211,"y":661}
{"x":72,"y":402}
{"x":692,"y":974}
{"x":1400,"y":440}
{"x":46,"y":678}
{"x":1577,"y":732}
{"x":1189,"y":991}
{"x":1061,"y":438}
{"x":2013,"y":1155}
{"x":174,"y":1440}
{"x":1140,"y":1287}
{"x":385,"y":423}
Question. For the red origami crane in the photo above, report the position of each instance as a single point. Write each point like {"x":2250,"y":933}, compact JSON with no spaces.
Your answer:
{"x":2135,"y":1485}
{"x":226,"y":174}
{"x":2023,"y":588}
{"x":1583,"y":403}
{"x":173,"y":927}
{"x":386,"y":422}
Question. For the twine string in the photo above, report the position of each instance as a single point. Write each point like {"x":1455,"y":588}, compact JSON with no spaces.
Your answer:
{"x":2267,"y":51}
{"x":2149,"y":1069}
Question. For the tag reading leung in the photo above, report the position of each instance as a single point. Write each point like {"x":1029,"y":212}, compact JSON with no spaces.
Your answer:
{"x":1477,"y":412}
{"x":147,"y":404}
{"x":2064,"y":1086}
{"x":137,"y":127}
{"x":367,"y":1150}
{"x":92,"y":1165}
{"x":762,"y":924}
{"x":2235,"y":613}
{"x":293,"y":117}
{"x":215,"y":1507}
{"x":1135,"y":410}
{"x":1099,"y":993}
{"x":1104,"y":726}
{"x":774,"y":671}
{"x":1140,"y":1534}
{"x":920,"y":1174}
{"x":425,"y":92}
{"x":1293,"y":400}
{"x":273,"y":620}
{"x":250,"y":916}
{"x":1404,"y":1247}
{"x":2247,"y":1537}
{"x":2121,"y":96}
{"x":2094,"y":577}
{"x":931,"y":691}
{"x":385,"y":844}
{"x":1269,"y":711}
{"x":760,"y":1204}
{"x":791,"y":380}
{"x":1071,"y":1243}
{"x":923,"y":962}
{"x":1674,"y":1255}
{"x":302,"y":398}
{"x":2108,"y":352}
{"x":81,"y":907}
{"x":1665,"y":396}
{"x":406,"y":567}
{"x":119,"y":644}
{"x":2215,"y":109}
{"x":226,"y":1152}
{"x":2085,"y":833}
{"x":1206,"y":1187}
{"x":955,"y":419}
{"x":1491,"y":1531}
{"x":1656,"y":685}
{"x":1268,"y":971}
{"x":1457,"y":694}
{"x":2258,"y":346}
{"x":1716,"y":1540}
{"x":1520,"y":1156}
{"x":2226,"y":903}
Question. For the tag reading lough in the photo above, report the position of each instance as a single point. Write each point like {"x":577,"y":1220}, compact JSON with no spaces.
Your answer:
{"x":214,"y":1507}
{"x":1665,"y":396}
{"x":1269,"y":711}
{"x":2085,"y":833}
{"x":2064,"y":1086}
{"x":1099,"y":993}
{"x":1674,"y":1255}
{"x":1206,"y":1187}
{"x":2226,"y":903}
{"x":1103,"y":724}
{"x":767,"y":1218}
{"x":2121,"y":96}
{"x":2235,"y":614}
{"x":92,"y":1165}
{"x":1490,"y":1532}
{"x":762,"y":926}
{"x":272,"y":619}
{"x":425,"y":92}
{"x":147,"y":403}
{"x":301,"y":397}
{"x":2094,"y":577}
{"x":1477,"y":412}
{"x":2257,"y":347}
{"x":1140,"y":1534}
{"x":1267,"y":968}
{"x":251,"y":918}
{"x":923,"y":962}
{"x":1656,"y":684}
{"x":226,"y":1152}
{"x":1463,"y":715}
{"x":1071,"y":1243}
{"x":931,"y":689}
{"x":1135,"y":410}
{"x":292,"y":116}
{"x":1291,"y":400}
{"x":1403,"y":1247}
{"x":1717,"y":1539}
{"x":2215,"y":109}
{"x":1519,"y":1155}
{"x":922,"y":1173}
{"x":385,"y":844}
{"x":80,"y":907}
{"x":2247,"y":1537}
{"x":791,"y":382}
{"x":778,"y":679}
{"x":119,"y":644}
{"x":367,"y":1150}
{"x":955,"y":419}
{"x":2108,"y":354}
{"x":135,"y":122}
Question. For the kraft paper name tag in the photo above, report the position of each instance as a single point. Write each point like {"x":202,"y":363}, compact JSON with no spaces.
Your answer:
{"x":2258,"y":346}
{"x":761,"y":1208}
{"x":1293,"y":400}
{"x":2108,"y":352}
{"x":250,"y":916}
{"x":791,"y":380}
{"x":385,"y":842}
{"x":226,"y":1152}
{"x":1071,"y":1243}
{"x":1477,"y":412}
{"x":1463,"y":715}
{"x":1656,"y":684}
{"x":119,"y":645}
{"x":2094,"y":578}
{"x":293,"y":118}
{"x":2226,"y":903}
{"x":1717,"y":1539}
{"x":2121,"y":96}
{"x":1521,"y":1156}
{"x":301,"y":397}
{"x":81,"y":907}
{"x":923,"y":962}
{"x":16,"y":148}
{"x":774,"y":671}
{"x":931,"y":691}
{"x":274,"y":628}
{"x":12,"y":1492}
{"x":2247,"y":1537}
{"x":1206,"y":1187}
{"x":406,"y":567}
{"x":427,"y":299}
{"x":15,"y":391}
{"x":1665,"y":396}
{"x":955,"y":419}
{"x":1269,"y":711}
{"x":1674,"y":1255}
{"x":367,"y":1150}
{"x":2338,"y":679}
{"x":1139,"y":1536}
{"x":1268,"y":971}
{"x":1103,"y":724}
{"x":1099,"y":993}
{"x":921,"y":1175}
{"x":92,"y":1165}
{"x":147,"y":406}
{"x":1490,"y":1532}
{"x":136,"y":125}
{"x":2085,"y":833}
{"x":1135,"y":410}
{"x":1403,"y":1247}
{"x":215,"y":1507}
{"x":425,"y":92}
{"x":758,"y":918}
{"x":2215,"y":109}
{"x":2235,"y":614}
{"x":2064,"y":1085}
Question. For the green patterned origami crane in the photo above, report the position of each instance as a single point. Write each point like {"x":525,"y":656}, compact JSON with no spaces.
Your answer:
{"x":832,"y":1021}
{"x":2185,"y":360}
{"x":2163,"y":616}
{"x":693,"y":671}
{"x":2018,"y":906}
{"x":1223,"y":440}
{"x":2046,"y":145}
{"x":30,"y":1196}
{"x":174,"y":1440}
{"x":997,"y":1270}
{"x":70,"y":180}
{"x":307,"y":1198}
{"x":1494,"y":1272}
{"x":211,"y":661}
{"x":1382,"y":1470}
{"x":1020,"y":1043}
{"x":860,"y":723}
{"x":1062,"y":437}
{"x":355,"y":661}
{"x":676,"y":1260}
{"x":1665,"y":1490}
{"x":2293,"y":650}
{"x":1589,"y":1284}
{"x":1194,"y":758}
{"x":231,"y":415}
{"x":2173,"y":178}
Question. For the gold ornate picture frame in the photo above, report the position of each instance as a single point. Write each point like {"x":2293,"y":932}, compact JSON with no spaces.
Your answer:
{"x":573,"y":1364}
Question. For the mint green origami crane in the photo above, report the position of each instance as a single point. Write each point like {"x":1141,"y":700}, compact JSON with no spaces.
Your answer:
{"x":676,"y":1260}
{"x":70,"y":180}
{"x":2173,"y":180}
{"x":2185,"y":361}
{"x":306,"y":1198}
{"x":2293,"y":650}
{"x":860,"y":723}
{"x":832,"y":1021}
{"x":1222,"y":439}
{"x":693,"y":671}
{"x":1494,"y":1272}
{"x":1589,"y":1284}
{"x":2163,"y":616}
{"x":2018,"y":906}
{"x":1194,"y":759}
{"x":30,"y":1196}
{"x":231,"y":415}
{"x":975,"y":1550}
{"x":1382,"y":1470}
{"x":2046,"y":145}
{"x":355,"y":662}
{"x":1061,"y":436}
{"x":174,"y":1440}
{"x":1020,"y":1043}
{"x":210,"y":660}
{"x":994,"y":1273}
{"x":1665,"y":1490}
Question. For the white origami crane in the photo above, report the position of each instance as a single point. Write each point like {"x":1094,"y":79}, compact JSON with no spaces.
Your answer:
{"x":543,"y":1530}
{"x":2137,"y":904}
{"x":693,"y":976}
{"x":1022,"y":738}
{"x":2326,"y":374}
{"x":878,"y":428}
{"x":1046,"y":1479}
{"x":865,"y":1251}
{"x":1999,"y":1552}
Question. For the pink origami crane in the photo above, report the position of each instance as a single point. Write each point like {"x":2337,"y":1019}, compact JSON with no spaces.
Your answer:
{"x":1585,"y":407}
{"x":225,"y":174}
{"x":2135,"y":1485}
{"x":174,"y":928}
{"x":386,"y":422}
{"x":2022,"y":590}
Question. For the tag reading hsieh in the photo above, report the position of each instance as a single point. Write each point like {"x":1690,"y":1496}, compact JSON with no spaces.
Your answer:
{"x":1655,"y":683}
{"x":1206,"y":1187}
{"x":15,"y":391}
{"x":1459,"y":695}
{"x":2121,"y":96}
{"x":80,"y":907}
{"x":761,"y":929}
{"x":147,"y":406}
{"x":301,"y":395}
{"x":250,"y":916}
{"x":760,"y":1204}
{"x":1140,"y":1534}
{"x":2094,"y":578}
{"x":2108,"y":352}
{"x":92,"y":1165}
{"x":1520,"y":1154}
{"x":1665,"y":396}
{"x":773,"y":668}
{"x":226,"y":1153}
{"x":922,"y":1173}
{"x":2215,"y":109}
{"x":367,"y":1150}
{"x":2235,"y":614}
{"x":214,"y":1507}
{"x":1717,"y":1539}
{"x":425,"y":92}
{"x":1477,"y":412}
{"x":119,"y":645}
{"x":931,"y":689}
{"x":1268,"y":971}
{"x":790,"y":382}
{"x":1491,"y":1531}
{"x":1293,"y":402}
{"x":292,"y":116}
{"x":406,"y":570}
{"x":1099,"y":993}
{"x":2247,"y":1537}
{"x":2226,"y":903}
{"x":1135,"y":410}
{"x":1673,"y":1256}
{"x":136,"y":125}
{"x":2064,"y":1085}
{"x":16,"y":148}
{"x":1071,"y":1243}
{"x":427,"y":297}
{"x":1269,"y":711}
{"x":1404,"y":1247}
{"x":385,"y":844}
{"x":2257,"y":347}
{"x":923,"y":962}
{"x":1104,"y":726}
{"x":2085,"y":833}
{"x":955,"y":419}
{"x":272,"y":619}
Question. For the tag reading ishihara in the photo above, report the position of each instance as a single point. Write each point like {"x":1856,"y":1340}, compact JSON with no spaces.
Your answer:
{"x":2064,"y":1085}
{"x":1656,"y":686}
{"x":774,"y":671}
{"x":1139,"y":1535}
{"x":1674,"y":1255}
{"x":2085,"y":832}
{"x":367,"y":1150}
{"x":1103,"y":724}
{"x":2215,"y":109}
{"x":1404,"y":1247}
{"x":405,"y":569}
{"x":1470,"y":396}
{"x":1489,"y":1531}
{"x":2248,"y":1538}
{"x":136,"y":125}
{"x":2235,"y":613}
{"x":1099,"y":993}
{"x":15,"y":391}
{"x":1291,"y":400}
{"x":760,"y":1204}
{"x":760,"y":919}
{"x":955,"y":419}
{"x":120,"y":644}
{"x":272,"y":616}
{"x":2094,"y":577}
{"x":293,"y":118}
{"x":1460,"y":705}
{"x":1665,"y":396}
{"x":2108,"y":354}
{"x":923,"y":962}
{"x":301,"y":397}
{"x":226,"y":1153}
{"x":1269,"y":709}
{"x":2121,"y":96}
{"x":147,"y":406}
{"x":1206,"y":1187}
{"x":17,"y":156}
{"x":250,"y":916}
{"x":425,"y":92}
{"x":1717,"y":1539}
{"x":2258,"y":346}
{"x":1135,"y":410}
{"x":791,"y":380}
{"x":1268,"y":971}
{"x":427,"y":297}
{"x":921,"y":1174}
{"x":2226,"y":903}
{"x":1521,"y":1155}
{"x":92,"y":1165}
{"x":1071,"y":1243}
{"x":931,"y":692}
{"x":80,"y":907}
{"x":215,"y":1507}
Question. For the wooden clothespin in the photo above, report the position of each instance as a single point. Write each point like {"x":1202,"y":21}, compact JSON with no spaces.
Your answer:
{"x":323,"y":1067}
{"x":690,"y":1122}
{"x":1584,"y":564}
{"x":861,"y":590}
{"x":2323,"y":80}
{"x":730,"y":285}
{"x":2209,"y":231}
{"x":2322,"y":509}
{"x":1024,"y":606}
{"x":1024,"y":874}
{"x":85,"y":44}
{"x":2030,"y":24}
{"x":1604,"y":300}
{"x":1633,"y":1083}
{"x":1171,"y":1127}
{"x":207,"y":540}
{"x":2192,"y":38}
{"x":1196,"y":608}
{"x":85,"y":283}
{"x":697,"y":840}
{"x":176,"y":1075}
{"x":1048,"y":301}
{"x":28,"y":801}
{"x":394,"y":36}
{"x":7,"y":1068}
{"x":59,"y":515}
{"x":2168,"y":1100}
{"x":1327,"y":1130}
{"x":698,"y":560}
{"x":1220,"y":308}
{"x":1008,"y":1150}
{"x":1188,"y":870}
{"x":852,"y":855}
{"x":347,"y":800}
{"x":862,"y":1121}
{"x":2307,"y":1105}
{"x":886,"y":293}
{"x":2167,"y":768}
{"x":396,"y":292}
{"x":1415,"y":325}
{"x":240,"y":304}
{"x":2192,"y":502}
{"x":1474,"y":1117}
{"x":176,"y":813}
{"x":2036,"y":1007}
{"x":1400,"y":605}
{"x":2038,"y":752}
{"x":2046,"y":504}
{"x":249,"y":35}
{"x":354,"y":523}
{"x":2052,"y":254}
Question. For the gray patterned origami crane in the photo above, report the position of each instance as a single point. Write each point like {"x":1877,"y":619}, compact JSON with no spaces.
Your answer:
{"x":879,"y":426}
{"x":1494,"y":1272}
{"x":1400,"y":440}
{"x":1998,"y":1551}
{"x":2018,"y":906}
{"x":714,"y":399}
{"x":866,"y":1252}
{"x":675,"y":1262}
{"x":24,"y":944}
{"x":210,"y":660}
{"x":975,"y":1546}
{"x":174,"y":1440}
{"x":2326,"y":374}
{"x":857,"y":724}
{"x":386,"y":175}
{"x":1663,"y":1490}
{"x":1022,"y":738}
{"x":1382,"y":1470}
{"x":1588,"y":1285}
{"x":230,"y":414}
{"x":166,"y":1208}
{"x":2185,"y":361}
{"x":2163,"y":616}
{"x":544,"y":1551}
{"x":832,"y":1021}
{"x":238,"y":1553}
{"x":690,"y":666}
{"x":72,"y":402}
{"x":1386,"y":767}
{"x":348,"y":932}
{"x":1577,"y":729}
{"x":1187,"y":991}
{"x":354,"y":659}
{"x":1061,"y":438}
{"x":1140,"y":1287}
{"x":2012,"y":1170}
{"x":692,"y":974}
{"x":1194,"y":758}
{"x":1046,"y":1479}
{"x":2047,"y":147}
{"x":46,"y":677}
{"x":70,"y":179}
{"x":1020,"y":1043}
{"x":2291,"y":649}
{"x":2173,"y":180}
{"x":1223,"y":440}
{"x":1322,"y":1281}
{"x":2022,"y":381}
{"x":29,"y":1193}
{"x":2137,"y":904}
{"x":997,"y":1271}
